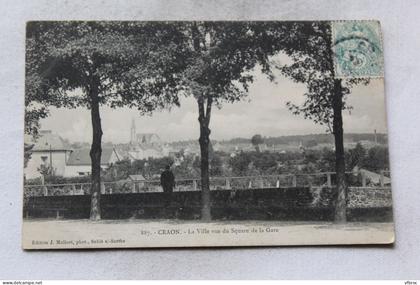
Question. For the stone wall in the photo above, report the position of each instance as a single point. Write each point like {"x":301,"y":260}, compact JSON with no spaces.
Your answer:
{"x":358,"y":197}
{"x":288,"y":204}
{"x":365,"y":197}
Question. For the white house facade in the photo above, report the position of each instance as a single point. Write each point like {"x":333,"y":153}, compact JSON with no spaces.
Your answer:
{"x":79,"y":162}
{"x":48,"y":151}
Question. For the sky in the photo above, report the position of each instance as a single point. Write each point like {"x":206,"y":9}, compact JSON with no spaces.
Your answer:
{"x":263,"y":112}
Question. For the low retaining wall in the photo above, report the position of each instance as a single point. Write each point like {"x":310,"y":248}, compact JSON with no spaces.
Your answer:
{"x":358,"y":197}
{"x":367,"y":197}
{"x":294,"y":204}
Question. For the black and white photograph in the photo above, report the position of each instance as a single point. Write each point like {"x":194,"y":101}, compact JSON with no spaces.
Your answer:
{"x":205,"y":133}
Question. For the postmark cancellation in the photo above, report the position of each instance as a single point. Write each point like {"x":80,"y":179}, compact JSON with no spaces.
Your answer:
{"x":357,"y":48}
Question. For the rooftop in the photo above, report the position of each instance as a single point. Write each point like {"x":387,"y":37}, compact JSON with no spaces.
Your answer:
{"x":47,"y":141}
{"x":137,"y":177}
{"x":147,"y":137}
{"x":82,"y":156}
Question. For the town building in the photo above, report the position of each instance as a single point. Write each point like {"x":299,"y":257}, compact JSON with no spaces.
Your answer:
{"x":49,"y":152}
{"x":145,"y":145}
{"x":79,"y":161}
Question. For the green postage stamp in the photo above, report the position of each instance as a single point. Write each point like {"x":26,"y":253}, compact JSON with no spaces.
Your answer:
{"x":357,"y":48}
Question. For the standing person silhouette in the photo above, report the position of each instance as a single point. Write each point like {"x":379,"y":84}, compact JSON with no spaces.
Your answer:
{"x":167,"y":181}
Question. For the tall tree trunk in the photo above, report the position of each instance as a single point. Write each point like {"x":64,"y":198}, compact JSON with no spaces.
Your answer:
{"x":204,"y":140}
{"x":95,"y":155}
{"x":340,"y":167}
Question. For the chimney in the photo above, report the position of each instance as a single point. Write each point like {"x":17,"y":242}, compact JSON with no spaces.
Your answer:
{"x":376,"y":138}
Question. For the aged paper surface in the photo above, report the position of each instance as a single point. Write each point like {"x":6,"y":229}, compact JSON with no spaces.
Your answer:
{"x":178,"y":134}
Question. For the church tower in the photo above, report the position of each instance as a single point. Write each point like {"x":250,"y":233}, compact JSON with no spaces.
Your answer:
{"x":133,"y":132}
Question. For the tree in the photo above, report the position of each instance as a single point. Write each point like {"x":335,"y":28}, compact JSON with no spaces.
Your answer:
{"x":377,"y":159}
{"x":327,"y":161}
{"x":312,"y":64}
{"x":310,"y":143}
{"x":216,"y":164}
{"x":356,"y":156}
{"x":239,"y":163}
{"x":221,"y":56}
{"x":27,"y":153}
{"x":256,"y":140}
{"x":88,"y":64}
{"x":35,"y":108}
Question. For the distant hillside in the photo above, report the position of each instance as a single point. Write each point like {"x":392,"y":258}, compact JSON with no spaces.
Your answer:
{"x":318,"y":138}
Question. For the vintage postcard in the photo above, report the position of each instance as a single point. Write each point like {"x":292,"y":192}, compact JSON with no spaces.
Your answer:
{"x":188,"y":134}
